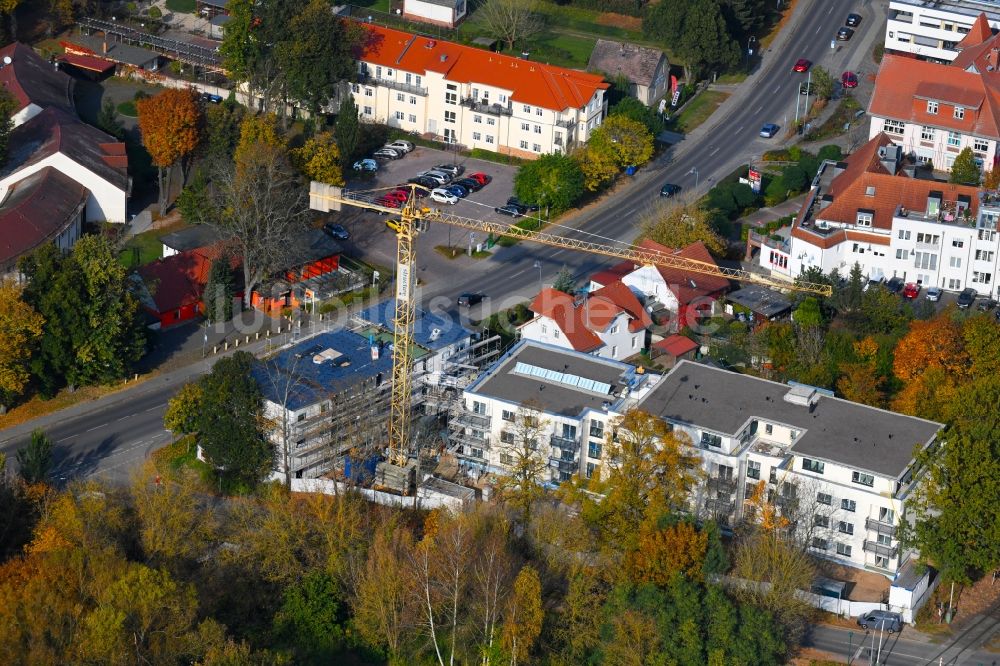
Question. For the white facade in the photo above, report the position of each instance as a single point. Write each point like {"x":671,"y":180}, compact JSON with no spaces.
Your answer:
{"x":933,"y":30}
{"x":105,"y":201}
{"x":618,"y":341}
{"x":435,"y":12}
{"x":928,"y":143}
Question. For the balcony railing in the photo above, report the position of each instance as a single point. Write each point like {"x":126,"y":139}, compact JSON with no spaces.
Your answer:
{"x":565,"y":443}
{"x":369,"y":80}
{"x":462,"y":416}
{"x":567,"y":124}
{"x":472,"y":440}
{"x":879,"y":549}
{"x":494,"y":109}
{"x":564,"y":465}
{"x":466,"y":453}
{"x":727,"y":485}
{"x":718,"y":507}
{"x":879,"y":527}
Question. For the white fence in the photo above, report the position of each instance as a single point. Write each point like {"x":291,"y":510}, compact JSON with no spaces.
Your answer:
{"x":427,"y":498}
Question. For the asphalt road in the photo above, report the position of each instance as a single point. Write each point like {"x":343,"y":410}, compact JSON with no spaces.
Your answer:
{"x":854,"y":646}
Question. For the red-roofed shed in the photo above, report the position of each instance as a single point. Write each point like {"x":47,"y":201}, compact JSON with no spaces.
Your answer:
{"x":676,"y":347}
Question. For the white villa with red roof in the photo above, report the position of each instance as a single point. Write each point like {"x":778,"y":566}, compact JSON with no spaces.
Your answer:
{"x":473,"y":97}
{"x":609,"y":322}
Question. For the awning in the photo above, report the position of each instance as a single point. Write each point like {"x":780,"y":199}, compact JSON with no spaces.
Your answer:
{"x":87,"y":62}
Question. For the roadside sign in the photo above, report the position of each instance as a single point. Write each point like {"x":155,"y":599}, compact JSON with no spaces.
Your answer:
{"x":676,"y":98}
{"x":754,"y":180}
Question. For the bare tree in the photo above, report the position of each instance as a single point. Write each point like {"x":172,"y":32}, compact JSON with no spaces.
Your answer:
{"x":511,"y":20}
{"x":263,"y":211}
{"x":285,"y":382}
{"x":519,"y":449}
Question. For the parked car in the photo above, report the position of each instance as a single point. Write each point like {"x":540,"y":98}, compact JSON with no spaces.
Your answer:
{"x":802,"y":65}
{"x":872,"y":282}
{"x":455,"y":170}
{"x":442,"y":195}
{"x":849,"y":80}
{"x":805,"y":88}
{"x":894,"y":285}
{"x":769,"y":130}
{"x":468,"y":299}
{"x":470,"y":184}
{"x":481,"y":177}
{"x":444,"y":174}
{"x":669,"y":190}
{"x":387,"y":154}
{"x":933,"y":294}
{"x":966,"y":298}
{"x":875,"y":620}
{"x":911,"y":290}
{"x":336,"y":231}
{"x":210,"y":98}
{"x":424,"y":182}
{"x":400,"y":145}
{"x":853,"y":20}
{"x":526,"y":207}
{"x":512,"y":211}
{"x":367,"y":164}
{"x":458,"y":190}
{"x":986,"y":304}
{"x":439,"y":179}
{"x":845,"y":34}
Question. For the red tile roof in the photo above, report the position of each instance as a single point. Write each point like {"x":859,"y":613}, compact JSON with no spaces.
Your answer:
{"x":618,"y":294}
{"x":903,"y":85}
{"x":676,"y":345}
{"x":35,"y":211}
{"x":971,"y":46}
{"x":87,"y":62}
{"x":677,"y":280}
{"x":560,"y":307}
{"x":179,"y":279}
{"x":529,"y":82}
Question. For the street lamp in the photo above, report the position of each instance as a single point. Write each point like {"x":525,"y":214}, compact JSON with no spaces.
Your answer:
{"x":750,"y":43}
{"x":697,"y":176}
{"x":539,"y":267}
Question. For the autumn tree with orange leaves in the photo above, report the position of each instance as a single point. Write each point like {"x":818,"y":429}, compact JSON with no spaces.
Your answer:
{"x":171,"y":125}
{"x":860,"y":381}
{"x":932,"y":362}
{"x":662,"y":553}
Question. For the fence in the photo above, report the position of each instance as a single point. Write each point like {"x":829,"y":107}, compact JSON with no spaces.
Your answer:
{"x":428,"y":498}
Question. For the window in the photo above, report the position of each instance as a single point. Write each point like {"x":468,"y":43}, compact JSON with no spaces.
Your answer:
{"x":367,"y":110}
{"x":848,"y":505}
{"x":821,"y":521}
{"x":489,"y":138}
{"x":845,"y":527}
{"x":883,"y":540}
{"x":768,"y":429}
{"x":824,"y":498}
{"x":536,"y":147}
{"x":984,"y":255}
{"x":904,"y":234}
{"x":413,"y":99}
{"x":958,"y":243}
{"x":820,"y":544}
{"x":594,"y":449}
{"x":925,"y":260}
{"x":926,"y":133}
{"x":635,"y":341}
{"x":708,"y":439}
{"x":369,"y":92}
{"x":378,"y":72}
{"x":507,"y":415}
{"x":901,"y":254}
{"x":506,"y":459}
{"x":477,"y":119}
{"x":452,"y":86}
{"x":506,"y":437}
{"x":451,"y":98}
{"x":412,"y":118}
{"x":812,"y":465}
{"x":355,"y":88}
{"x":958,"y":113}
{"x":596,"y":429}
{"x":475,"y":93}
{"x":614,"y":329}
{"x":614,"y":351}
{"x":491,"y":121}
{"x":400,"y":115}
{"x":503,"y":98}
{"x":954,"y":139}
{"x":524,"y":145}
{"x":449,"y":116}
{"x":863,"y":479}
{"x":556,"y":332}
{"x":538,"y":129}
{"x":979,"y":277}
{"x":886,"y":515}
{"x":954,"y":284}
{"x":987,"y":235}
{"x":525,"y":127}
{"x":476,"y":136}
{"x":864,"y":219}
{"x":400,"y":97}
{"x":416,"y":81}
{"x":478,"y":407}
{"x":527,"y":109}
{"x":843,"y":549}
{"x":565,"y":476}
{"x":538,"y":111}
{"x":928,"y":238}
{"x":408,"y":78}
{"x":591,"y":468}
{"x":980,"y":145}
{"x":932,"y":107}
{"x":955,"y":262}
{"x":881,"y":562}
{"x":893,"y":127}
{"x":753,"y":469}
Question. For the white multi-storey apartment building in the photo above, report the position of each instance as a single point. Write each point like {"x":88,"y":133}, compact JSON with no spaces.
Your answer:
{"x":938,"y":29}
{"x":843,"y":472}
{"x":473,"y":97}
{"x":870,"y":210}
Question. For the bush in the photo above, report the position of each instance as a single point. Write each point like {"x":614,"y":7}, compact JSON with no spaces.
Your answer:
{"x":140,"y":94}
{"x":155,"y":13}
{"x":830,"y":152}
{"x":795,"y":178}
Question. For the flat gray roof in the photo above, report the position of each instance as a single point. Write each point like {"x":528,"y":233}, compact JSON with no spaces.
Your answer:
{"x":555,"y":397}
{"x":760,"y":300}
{"x":837,"y":430}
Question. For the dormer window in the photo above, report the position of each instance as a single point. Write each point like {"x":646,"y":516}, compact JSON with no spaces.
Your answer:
{"x":870,"y":191}
{"x":865,"y":218}
{"x":959,"y":113}
{"x":932,"y":107}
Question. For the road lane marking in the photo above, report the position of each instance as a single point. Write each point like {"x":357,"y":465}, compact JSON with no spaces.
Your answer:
{"x":739,"y":129}
{"x":160,"y":406}
{"x":714,"y":151}
{"x":98,"y":427}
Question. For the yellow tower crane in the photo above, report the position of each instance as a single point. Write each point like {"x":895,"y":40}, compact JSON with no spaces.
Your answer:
{"x":414,"y":219}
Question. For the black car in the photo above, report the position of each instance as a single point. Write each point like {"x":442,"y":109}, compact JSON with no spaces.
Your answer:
{"x":853,"y":20}
{"x":669,"y":190}
{"x":424,"y":182}
{"x":895,"y":285}
{"x":966,"y":298}
{"x":512,"y":211}
{"x":336,"y":231}
{"x":525,"y":207}
{"x":470,"y":184}
{"x":468,"y":299}
{"x":986,"y":304}
{"x":844,"y":34}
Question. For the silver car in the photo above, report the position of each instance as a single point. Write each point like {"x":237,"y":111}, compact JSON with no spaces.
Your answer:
{"x":400,"y":145}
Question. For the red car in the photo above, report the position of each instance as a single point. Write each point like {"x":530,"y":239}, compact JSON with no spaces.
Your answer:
{"x":849,"y":80}
{"x":480,"y":178}
{"x":911,"y":290}
{"x":390,"y":202}
{"x":802,"y":65}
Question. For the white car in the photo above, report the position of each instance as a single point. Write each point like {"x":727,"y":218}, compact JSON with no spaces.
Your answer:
{"x":442,"y":195}
{"x":400,"y":145}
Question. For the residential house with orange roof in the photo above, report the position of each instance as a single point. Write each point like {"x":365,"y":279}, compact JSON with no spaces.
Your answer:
{"x":475,"y":98}
{"x":871,"y":210}
{"x":609,"y":322}
{"x":674,"y":297}
{"x":937,"y":31}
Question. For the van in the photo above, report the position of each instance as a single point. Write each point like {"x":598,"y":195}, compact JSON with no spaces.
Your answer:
{"x":880,"y":620}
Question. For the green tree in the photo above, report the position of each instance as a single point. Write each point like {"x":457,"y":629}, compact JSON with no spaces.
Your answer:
{"x":555,"y":181}
{"x":697,"y":33}
{"x":319,"y":159}
{"x":633,"y":109}
{"x":8,"y":107}
{"x":822,"y":83}
{"x":347,"y":132}
{"x":21,"y":329}
{"x":184,"y":410}
{"x":195,"y":202}
{"x":965,"y":171}
{"x":830,"y":152}
{"x":108,"y":121}
{"x":522,"y":485}
{"x":309,"y":619}
{"x":565,"y":282}
{"x":34,"y":461}
{"x":745,"y":17}
{"x":222,"y":130}
{"x":882,"y":312}
{"x":677,"y":226}
{"x":231,"y":423}
{"x":220,"y":289}
{"x":627,"y":140}
{"x":808,"y":313}
{"x":524,"y":616}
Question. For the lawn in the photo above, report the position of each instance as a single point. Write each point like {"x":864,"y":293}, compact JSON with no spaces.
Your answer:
{"x":698,"y":111}
{"x":146,"y":247}
{"x":128,"y":109}
{"x":184,"y":6}
{"x":563,"y":50}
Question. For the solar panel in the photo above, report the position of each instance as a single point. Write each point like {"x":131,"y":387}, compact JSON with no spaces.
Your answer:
{"x":557,"y":377}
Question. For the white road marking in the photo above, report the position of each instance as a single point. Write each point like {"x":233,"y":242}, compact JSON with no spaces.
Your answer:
{"x":818,"y":29}
{"x":156,"y":407}
{"x":96,"y":427}
{"x":760,"y":108}
{"x":739,"y":129}
{"x":714,"y":151}
{"x":629,"y":212}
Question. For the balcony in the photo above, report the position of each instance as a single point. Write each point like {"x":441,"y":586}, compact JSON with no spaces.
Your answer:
{"x":466,"y":417}
{"x":565,"y":443}
{"x":722,"y":484}
{"x":718,"y":507}
{"x":483,"y":106}
{"x":879,"y":527}
{"x":468,"y":438}
{"x":564,"y":465}
{"x":569,"y":123}
{"x":368,"y":80}
{"x":466,"y":453}
{"x":879,"y":549}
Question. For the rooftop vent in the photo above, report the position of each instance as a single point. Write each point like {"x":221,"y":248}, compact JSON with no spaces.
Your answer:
{"x":435,"y":334}
{"x":430,"y":44}
{"x":804,"y":396}
{"x":444,"y":56}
